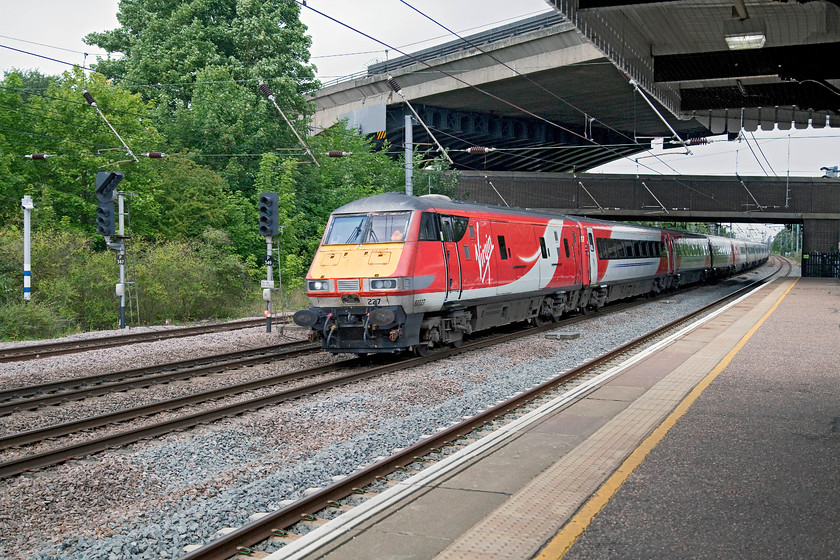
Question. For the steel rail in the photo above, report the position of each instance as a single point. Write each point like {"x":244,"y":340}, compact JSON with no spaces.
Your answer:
{"x":49,"y":458}
{"x":73,"y":426}
{"x":256,"y":531}
{"x":72,"y":346}
{"x":36,"y":396}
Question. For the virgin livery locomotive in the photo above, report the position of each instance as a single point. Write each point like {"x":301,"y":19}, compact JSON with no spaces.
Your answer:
{"x":395,"y":272}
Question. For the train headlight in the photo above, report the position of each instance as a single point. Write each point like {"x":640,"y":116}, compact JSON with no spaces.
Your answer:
{"x":319,"y":286}
{"x":383,"y":284}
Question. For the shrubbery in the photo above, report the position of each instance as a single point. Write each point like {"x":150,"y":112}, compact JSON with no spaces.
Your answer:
{"x":73,"y":284}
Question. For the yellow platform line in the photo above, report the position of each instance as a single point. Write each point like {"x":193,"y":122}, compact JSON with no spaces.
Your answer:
{"x":570,"y":532}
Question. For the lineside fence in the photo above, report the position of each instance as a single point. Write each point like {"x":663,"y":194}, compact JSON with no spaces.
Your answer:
{"x":822,"y":265}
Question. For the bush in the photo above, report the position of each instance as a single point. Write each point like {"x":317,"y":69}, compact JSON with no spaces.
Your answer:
{"x":21,"y":321}
{"x":186,"y":281}
{"x":73,"y":283}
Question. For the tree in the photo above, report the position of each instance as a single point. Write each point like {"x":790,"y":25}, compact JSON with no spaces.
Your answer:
{"x":59,"y":122}
{"x":201,"y":60}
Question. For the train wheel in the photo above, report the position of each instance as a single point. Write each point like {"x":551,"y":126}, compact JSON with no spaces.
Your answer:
{"x":457,"y":343}
{"x":421,"y":350}
{"x":538,"y":321}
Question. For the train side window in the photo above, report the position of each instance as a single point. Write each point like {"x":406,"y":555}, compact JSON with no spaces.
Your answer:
{"x":566,"y":245}
{"x":472,"y":232}
{"x":612,"y":251}
{"x":459,"y":225}
{"x":429,"y":229}
{"x":555,"y":236}
{"x":543,"y":249}
{"x":628,"y":249}
{"x":446,"y":227}
{"x":502,"y":248}
{"x":467,"y":252}
{"x":603,"y":251}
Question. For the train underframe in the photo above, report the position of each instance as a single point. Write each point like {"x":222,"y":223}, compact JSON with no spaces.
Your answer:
{"x":390,"y":329}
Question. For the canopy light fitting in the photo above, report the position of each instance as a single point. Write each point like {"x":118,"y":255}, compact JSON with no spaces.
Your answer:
{"x":743,"y":41}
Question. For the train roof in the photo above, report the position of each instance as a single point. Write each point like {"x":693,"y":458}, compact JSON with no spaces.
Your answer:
{"x":395,"y":202}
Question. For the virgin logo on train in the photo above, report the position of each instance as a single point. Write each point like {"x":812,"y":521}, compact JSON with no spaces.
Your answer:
{"x":483,"y":255}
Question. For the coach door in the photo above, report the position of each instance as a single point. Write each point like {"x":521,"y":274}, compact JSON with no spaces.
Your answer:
{"x":569,"y":250}
{"x":593,"y":257}
{"x":451,"y":257}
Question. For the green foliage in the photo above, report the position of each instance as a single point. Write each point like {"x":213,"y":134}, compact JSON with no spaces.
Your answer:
{"x":73,"y":284}
{"x":22,"y":321}
{"x":186,"y":84}
{"x":784,"y":243}
{"x":59,"y":122}
{"x":187,"y":281}
{"x":201,"y":60}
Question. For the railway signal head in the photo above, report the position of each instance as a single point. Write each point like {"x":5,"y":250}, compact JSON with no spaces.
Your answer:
{"x":105,"y":223}
{"x":268,"y":213}
{"x":106,"y":184}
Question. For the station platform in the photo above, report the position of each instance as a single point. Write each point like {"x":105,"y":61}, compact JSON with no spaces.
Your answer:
{"x":722,"y":442}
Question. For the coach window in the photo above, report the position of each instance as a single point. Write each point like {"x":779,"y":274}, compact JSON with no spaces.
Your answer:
{"x":543,"y":249}
{"x":502,"y":248}
{"x":602,"y":249}
{"x":472,"y":232}
{"x":566,"y":246}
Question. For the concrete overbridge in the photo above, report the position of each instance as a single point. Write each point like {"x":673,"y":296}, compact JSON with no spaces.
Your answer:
{"x":812,"y":202}
{"x":593,"y":81}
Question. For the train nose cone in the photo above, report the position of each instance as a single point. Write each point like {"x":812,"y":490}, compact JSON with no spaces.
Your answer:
{"x":305,"y":318}
{"x":381,"y":317}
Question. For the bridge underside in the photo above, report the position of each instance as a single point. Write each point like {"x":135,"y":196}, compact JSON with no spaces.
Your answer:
{"x":539,"y":93}
{"x":815,"y":203}
{"x":519,"y":143}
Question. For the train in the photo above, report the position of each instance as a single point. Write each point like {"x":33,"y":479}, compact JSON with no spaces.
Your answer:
{"x":396,"y":273}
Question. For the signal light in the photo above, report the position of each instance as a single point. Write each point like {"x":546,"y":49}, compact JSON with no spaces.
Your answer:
{"x":105,"y":223}
{"x":106,"y":183}
{"x":268,"y":213}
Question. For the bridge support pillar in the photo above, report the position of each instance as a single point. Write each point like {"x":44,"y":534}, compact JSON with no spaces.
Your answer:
{"x":820,"y":236}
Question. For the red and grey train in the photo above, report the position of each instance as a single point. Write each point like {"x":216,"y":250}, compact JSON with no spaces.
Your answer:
{"x":395,"y":272}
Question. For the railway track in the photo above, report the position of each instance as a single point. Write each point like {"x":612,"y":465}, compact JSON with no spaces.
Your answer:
{"x":275,"y":526}
{"x":353,"y":372}
{"x":44,"y":350}
{"x":47,"y":394}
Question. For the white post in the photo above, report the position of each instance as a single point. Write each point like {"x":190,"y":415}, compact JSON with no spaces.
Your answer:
{"x":26,"y":204}
{"x":409,"y":156}
{"x":269,"y":276}
{"x":121,"y":233}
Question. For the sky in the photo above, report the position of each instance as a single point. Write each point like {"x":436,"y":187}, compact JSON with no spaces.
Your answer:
{"x":55,"y":28}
